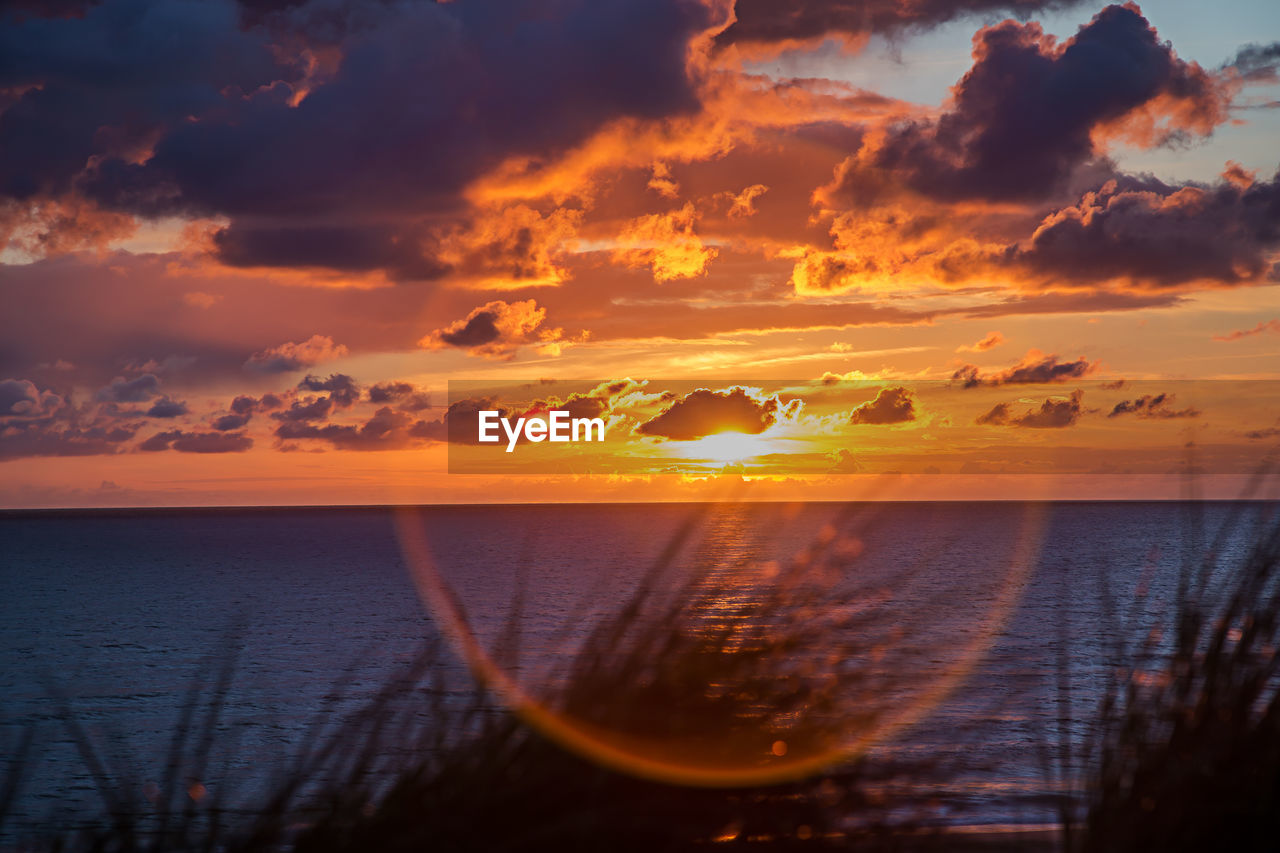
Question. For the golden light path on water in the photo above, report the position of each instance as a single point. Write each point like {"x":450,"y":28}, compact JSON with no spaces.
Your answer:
{"x":748,"y":744}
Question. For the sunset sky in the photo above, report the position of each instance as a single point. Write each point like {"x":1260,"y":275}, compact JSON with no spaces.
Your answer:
{"x":248,"y":246}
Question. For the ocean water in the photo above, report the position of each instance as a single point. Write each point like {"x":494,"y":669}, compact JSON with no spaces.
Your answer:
{"x":112,"y":617}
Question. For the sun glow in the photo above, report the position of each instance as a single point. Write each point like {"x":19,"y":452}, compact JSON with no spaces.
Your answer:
{"x":728,"y":447}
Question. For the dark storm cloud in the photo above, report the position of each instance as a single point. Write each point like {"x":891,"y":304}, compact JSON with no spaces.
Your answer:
{"x":136,"y":390}
{"x":343,"y":393}
{"x":197,"y":442}
{"x":167,"y":408}
{"x":1152,"y":406}
{"x":22,"y":398}
{"x":1054,"y":413}
{"x":343,"y":167}
{"x":406,"y":397}
{"x":314,"y":409}
{"x":577,"y":405}
{"x":106,"y":83}
{"x":494,"y":330}
{"x":478,"y":329}
{"x":1047,"y":369}
{"x":460,"y":423}
{"x":1155,"y":235}
{"x":891,"y":406}
{"x":595,"y":403}
{"x":386,"y":392}
{"x":415,"y":403}
{"x":584,"y":406}
{"x":342,"y":388}
{"x":1035,"y":368}
{"x":246,"y":405}
{"x":1024,"y":114}
{"x":352,"y":248}
{"x":227,"y":423}
{"x":32,"y":440}
{"x":17,"y":397}
{"x":705,"y":412}
{"x":36,"y":422}
{"x":307,"y":418}
{"x":766,"y":21}
{"x":1257,"y":62}
{"x":387,"y":429}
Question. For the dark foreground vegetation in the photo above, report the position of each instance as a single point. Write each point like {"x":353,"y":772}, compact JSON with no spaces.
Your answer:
{"x":1183,"y":752}
{"x":1186,"y":747}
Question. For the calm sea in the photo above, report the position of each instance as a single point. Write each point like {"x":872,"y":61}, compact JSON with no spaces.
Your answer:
{"x":113,"y":616}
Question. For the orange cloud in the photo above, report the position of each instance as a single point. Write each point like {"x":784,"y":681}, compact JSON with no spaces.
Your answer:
{"x":295,"y":356}
{"x":890,"y":406}
{"x":1034,"y":368}
{"x":666,"y":243}
{"x":743,"y":203}
{"x":889,"y":248}
{"x":992,"y":340}
{"x":1054,"y":413}
{"x":495,"y":330}
{"x":1264,"y":326}
{"x":511,"y":246}
{"x":1153,"y":407}
{"x":662,"y":182}
{"x":705,"y":412}
{"x":1200,"y":103}
{"x":736,"y":109}
{"x":48,"y":227}
{"x":819,"y":272}
{"x":1236,"y":174}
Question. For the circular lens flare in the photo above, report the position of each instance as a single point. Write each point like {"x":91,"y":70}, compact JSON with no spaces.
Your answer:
{"x":725,"y":668}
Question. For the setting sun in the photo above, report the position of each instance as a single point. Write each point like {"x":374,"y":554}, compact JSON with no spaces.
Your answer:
{"x":728,"y":447}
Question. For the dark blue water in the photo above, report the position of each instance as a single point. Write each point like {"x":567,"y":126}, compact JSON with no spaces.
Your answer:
{"x":113,"y":617}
